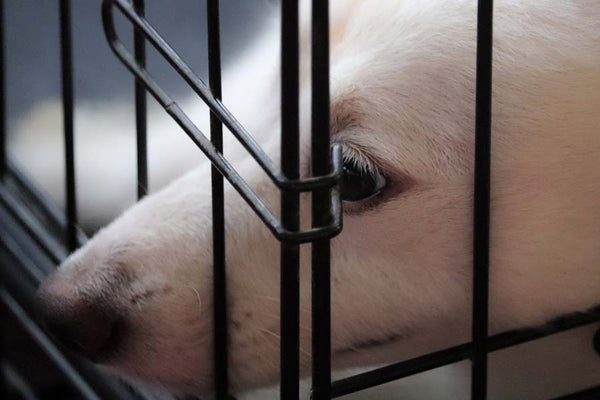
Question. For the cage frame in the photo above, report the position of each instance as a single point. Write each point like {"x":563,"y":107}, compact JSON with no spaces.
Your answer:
{"x":34,"y":248}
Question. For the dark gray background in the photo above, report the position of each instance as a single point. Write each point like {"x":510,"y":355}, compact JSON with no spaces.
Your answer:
{"x":32,"y":46}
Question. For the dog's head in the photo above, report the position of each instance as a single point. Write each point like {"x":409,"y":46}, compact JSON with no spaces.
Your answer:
{"x":138,"y":297}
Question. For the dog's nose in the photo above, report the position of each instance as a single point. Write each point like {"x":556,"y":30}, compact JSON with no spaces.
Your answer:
{"x":74,"y":320}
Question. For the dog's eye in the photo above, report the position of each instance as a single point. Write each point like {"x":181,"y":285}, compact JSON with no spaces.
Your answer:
{"x":360,"y":184}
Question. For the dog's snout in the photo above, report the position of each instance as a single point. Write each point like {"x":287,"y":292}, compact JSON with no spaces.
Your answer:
{"x":75,"y":320}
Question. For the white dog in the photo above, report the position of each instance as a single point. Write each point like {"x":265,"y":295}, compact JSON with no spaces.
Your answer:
{"x":137,"y":297}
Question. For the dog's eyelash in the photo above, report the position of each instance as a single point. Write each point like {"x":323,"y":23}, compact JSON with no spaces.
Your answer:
{"x":358,"y":159}
{"x":363,"y":162}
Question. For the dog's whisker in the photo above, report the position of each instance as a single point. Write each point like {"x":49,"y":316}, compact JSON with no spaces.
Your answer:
{"x":197,"y":295}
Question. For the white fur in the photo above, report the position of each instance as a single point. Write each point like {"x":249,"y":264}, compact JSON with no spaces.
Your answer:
{"x":402,"y":83}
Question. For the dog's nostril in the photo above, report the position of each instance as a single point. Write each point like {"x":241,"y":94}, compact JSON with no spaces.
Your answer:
{"x":79,"y":324}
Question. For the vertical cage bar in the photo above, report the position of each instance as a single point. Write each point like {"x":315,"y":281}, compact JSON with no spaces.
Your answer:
{"x":481,"y":210}
{"x":2,"y":96}
{"x":140,"y":107}
{"x":321,"y":250}
{"x":4,"y":389}
{"x":290,"y":202}
{"x":221,"y":358}
{"x":67,"y":99}
{"x":3,"y":384}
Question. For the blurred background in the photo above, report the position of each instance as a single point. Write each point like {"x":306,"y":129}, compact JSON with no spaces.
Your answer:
{"x":104,"y":95}
{"x":32,"y":47}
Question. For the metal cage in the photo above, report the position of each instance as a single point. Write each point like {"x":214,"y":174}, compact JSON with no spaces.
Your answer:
{"x":36,"y":235}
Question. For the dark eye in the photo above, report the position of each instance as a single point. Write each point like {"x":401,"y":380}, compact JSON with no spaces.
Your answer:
{"x":359,"y":183}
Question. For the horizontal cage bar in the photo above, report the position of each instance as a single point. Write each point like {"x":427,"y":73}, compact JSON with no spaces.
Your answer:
{"x":458,"y":353}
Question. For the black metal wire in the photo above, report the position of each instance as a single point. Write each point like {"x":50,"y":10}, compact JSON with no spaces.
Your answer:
{"x":290,"y":201}
{"x":589,"y":394}
{"x":321,"y":250}
{"x":39,"y":201}
{"x":461,"y":352}
{"x":326,"y":209}
{"x":220,"y":335}
{"x":198,"y":86}
{"x":360,"y":381}
{"x":54,"y":355}
{"x":3,"y":166}
{"x":173,"y":109}
{"x":30,"y":222}
{"x":3,"y":385}
{"x":2,"y":96}
{"x":28,"y":270}
{"x":19,"y":384}
{"x":67,"y":99}
{"x":140,"y":107}
{"x":24,"y":266}
{"x":481,"y":211}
